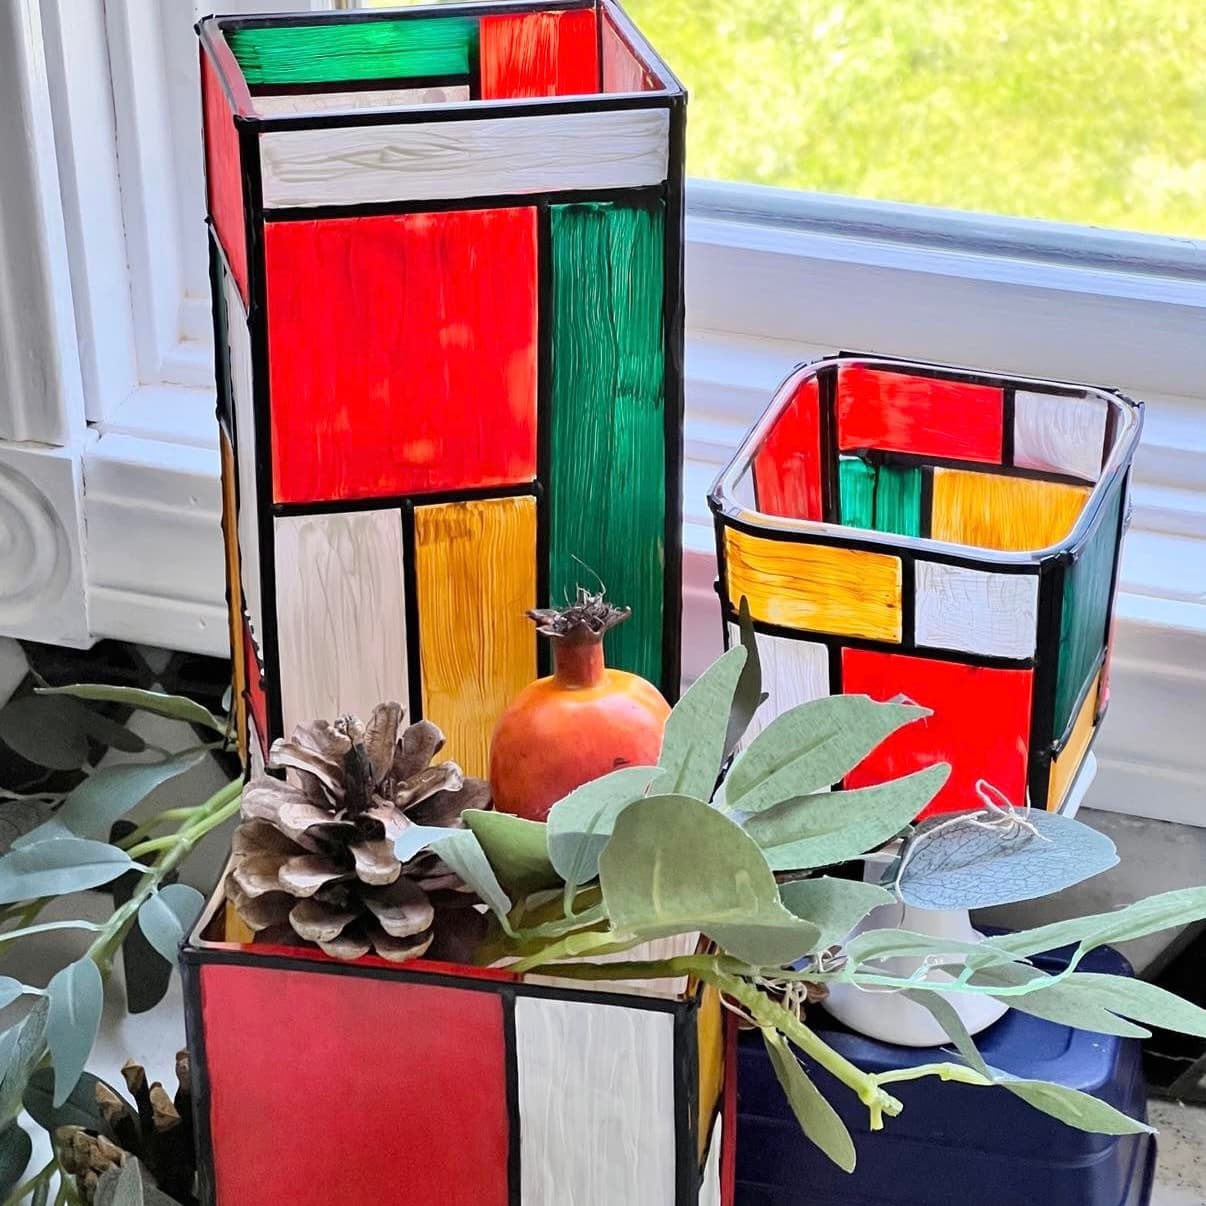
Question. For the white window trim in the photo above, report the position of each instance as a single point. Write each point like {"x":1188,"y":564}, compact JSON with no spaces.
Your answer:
{"x":773,"y":277}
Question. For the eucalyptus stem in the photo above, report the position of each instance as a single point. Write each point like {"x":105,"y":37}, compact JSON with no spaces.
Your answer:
{"x":170,"y":814}
{"x":74,"y":924}
{"x":944,"y":1071}
{"x":727,"y":975}
{"x":218,"y":808}
{"x":26,"y":1187}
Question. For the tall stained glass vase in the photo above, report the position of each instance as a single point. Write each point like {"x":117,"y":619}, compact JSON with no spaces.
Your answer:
{"x":947,"y":537}
{"x":446,"y":255}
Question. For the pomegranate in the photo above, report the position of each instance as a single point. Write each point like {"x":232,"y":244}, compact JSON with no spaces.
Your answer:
{"x":581,"y":722}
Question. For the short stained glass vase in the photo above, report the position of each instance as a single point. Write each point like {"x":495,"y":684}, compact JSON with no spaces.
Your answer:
{"x":446,"y":260}
{"x":318,"y":1082}
{"x":948,"y":537}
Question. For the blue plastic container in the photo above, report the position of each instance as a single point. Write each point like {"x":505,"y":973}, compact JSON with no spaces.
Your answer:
{"x":955,"y":1145}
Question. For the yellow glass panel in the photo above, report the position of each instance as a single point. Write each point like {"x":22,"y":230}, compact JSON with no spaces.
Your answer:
{"x":475,"y":570}
{"x":709,"y":1029}
{"x":1013,"y":514}
{"x":1067,"y":762}
{"x":230,"y":537}
{"x":844,"y":591}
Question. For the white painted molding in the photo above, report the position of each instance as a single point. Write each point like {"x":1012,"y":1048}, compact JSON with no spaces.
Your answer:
{"x":41,"y":535}
{"x":41,"y":396}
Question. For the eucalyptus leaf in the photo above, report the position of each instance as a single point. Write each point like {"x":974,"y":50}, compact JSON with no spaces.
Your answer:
{"x":835,"y":826}
{"x":111,"y":792}
{"x":461,"y":850}
{"x":749,"y":696}
{"x":48,"y":831}
{"x":48,"y":732}
{"x":76,"y":999}
{"x":811,"y":747}
{"x":817,"y":1118}
{"x":1075,"y":1108}
{"x":167,"y":915}
{"x":517,"y":850}
{"x":176,"y":707}
{"x":1181,"y":907}
{"x":1057,"y":1001}
{"x":24,"y":1054}
{"x":580,"y":825}
{"x":109,"y":733}
{"x":51,"y":868}
{"x":675,"y":865}
{"x":1143,"y":1001}
{"x":945,"y":1014}
{"x":834,"y":906}
{"x":961,"y":865}
{"x":875,"y":945}
{"x":16,"y":1147}
{"x":416,"y":838}
{"x":10,"y":990}
{"x":693,"y":747}
{"x":80,"y":1108}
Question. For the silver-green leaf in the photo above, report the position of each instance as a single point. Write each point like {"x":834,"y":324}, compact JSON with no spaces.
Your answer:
{"x":675,"y":865}
{"x":15,"y":1149}
{"x":959,"y":864}
{"x":835,"y":826}
{"x":60,"y":865}
{"x":1077,"y":1109}
{"x":694,"y":742}
{"x":461,"y":850}
{"x":516,"y":848}
{"x":113,"y":791}
{"x":749,"y":696}
{"x":818,"y":1120}
{"x":20,"y":1050}
{"x":176,"y":707}
{"x":834,"y":906}
{"x":167,"y":915}
{"x":580,"y":825}
{"x":811,"y":747}
{"x":10,"y":990}
{"x":1056,"y":1000}
{"x":76,"y":998}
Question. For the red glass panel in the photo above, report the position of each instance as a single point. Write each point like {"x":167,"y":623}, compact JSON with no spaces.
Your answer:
{"x":328,"y":1087}
{"x":920,"y":415}
{"x":539,"y":54}
{"x":223,"y":176}
{"x":787,"y":468}
{"x":980,"y":724}
{"x":255,"y":689}
{"x":402,"y":353}
{"x":622,"y":70}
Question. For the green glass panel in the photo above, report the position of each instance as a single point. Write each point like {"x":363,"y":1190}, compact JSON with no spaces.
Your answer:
{"x":856,"y":490}
{"x":898,"y":501}
{"x":607,"y":478}
{"x":886,"y":498}
{"x":1082,"y":623}
{"x":354,"y":50}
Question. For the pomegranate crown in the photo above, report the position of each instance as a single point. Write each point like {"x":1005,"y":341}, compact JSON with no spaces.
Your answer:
{"x":587,"y":618}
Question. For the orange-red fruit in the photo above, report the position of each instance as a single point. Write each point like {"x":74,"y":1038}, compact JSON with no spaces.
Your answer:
{"x":581,"y":722}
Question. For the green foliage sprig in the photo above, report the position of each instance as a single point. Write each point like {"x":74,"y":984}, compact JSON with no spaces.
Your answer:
{"x":69,"y":853}
{"x":696,"y":845}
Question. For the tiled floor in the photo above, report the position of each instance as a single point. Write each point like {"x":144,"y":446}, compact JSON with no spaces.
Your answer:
{"x":153,"y":1038}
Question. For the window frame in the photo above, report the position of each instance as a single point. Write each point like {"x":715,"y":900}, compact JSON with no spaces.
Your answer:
{"x":773,"y":277}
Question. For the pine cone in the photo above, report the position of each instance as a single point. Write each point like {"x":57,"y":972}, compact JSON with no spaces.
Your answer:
{"x":316,"y":850}
{"x":158,"y":1130}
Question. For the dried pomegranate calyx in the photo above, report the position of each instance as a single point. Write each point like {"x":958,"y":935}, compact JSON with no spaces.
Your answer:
{"x":586,"y":619}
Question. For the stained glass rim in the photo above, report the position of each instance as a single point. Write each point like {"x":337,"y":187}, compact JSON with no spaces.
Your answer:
{"x":1128,"y":417}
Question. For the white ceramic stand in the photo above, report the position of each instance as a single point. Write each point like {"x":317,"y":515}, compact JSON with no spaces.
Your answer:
{"x":883,"y":1013}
